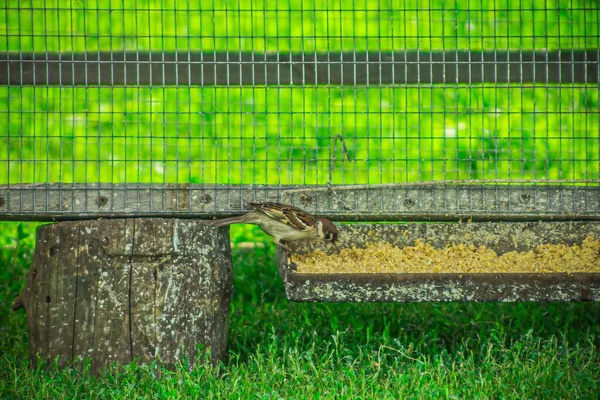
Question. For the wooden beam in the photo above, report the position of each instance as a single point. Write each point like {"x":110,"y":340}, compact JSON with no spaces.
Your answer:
{"x":426,"y":201}
{"x":350,"y":69}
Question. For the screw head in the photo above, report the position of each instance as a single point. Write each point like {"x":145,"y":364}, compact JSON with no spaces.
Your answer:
{"x":101,"y":201}
{"x":306,"y":200}
{"x":205,"y":199}
{"x":409,"y":203}
{"x":525,"y":197}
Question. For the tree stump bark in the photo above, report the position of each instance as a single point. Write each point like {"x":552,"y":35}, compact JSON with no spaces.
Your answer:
{"x":126,"y":290}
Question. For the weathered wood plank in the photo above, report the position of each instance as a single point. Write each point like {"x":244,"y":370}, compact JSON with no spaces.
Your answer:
{"x":349,"y":68}
{"x":89,"y":260}
{"x":64,"y":253}
{"x":444,"y":287}
{"x":154,"y":242}
{"x":142,"y":303}
{"x":48,"y":298}
{"x":171,"y":310}
{"x":424,"y":201}
{"x":34,"y":294}
{"x":99,"y":303}
{"x":106,"y":200}
{"x":222,"y":274}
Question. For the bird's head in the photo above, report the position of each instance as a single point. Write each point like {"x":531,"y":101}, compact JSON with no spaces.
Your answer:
{"x":326,"y":230}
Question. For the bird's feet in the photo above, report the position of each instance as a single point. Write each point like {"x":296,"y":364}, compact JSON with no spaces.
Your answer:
{"x":279,"y":243}
{"x":290,"y":263}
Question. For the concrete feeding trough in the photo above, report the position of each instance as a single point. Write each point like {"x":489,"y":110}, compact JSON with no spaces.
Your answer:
{"x":468,"y":261}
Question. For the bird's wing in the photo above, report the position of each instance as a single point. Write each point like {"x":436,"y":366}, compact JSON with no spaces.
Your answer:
{"x":289,"y":215}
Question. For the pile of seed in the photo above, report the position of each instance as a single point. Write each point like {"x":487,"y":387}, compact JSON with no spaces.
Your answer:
{"x":457,"y":258}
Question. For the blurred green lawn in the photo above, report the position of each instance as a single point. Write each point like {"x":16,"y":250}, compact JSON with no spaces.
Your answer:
{"x":207,"y":135}
{"x":295,"y":25}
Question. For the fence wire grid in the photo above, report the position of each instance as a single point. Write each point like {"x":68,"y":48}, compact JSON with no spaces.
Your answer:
{"x":348,"y":108}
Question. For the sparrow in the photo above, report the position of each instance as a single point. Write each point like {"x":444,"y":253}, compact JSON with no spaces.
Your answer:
{"x":285,"y":223}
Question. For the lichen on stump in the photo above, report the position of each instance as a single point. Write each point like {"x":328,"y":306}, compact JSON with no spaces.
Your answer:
{"x":127,"y":290}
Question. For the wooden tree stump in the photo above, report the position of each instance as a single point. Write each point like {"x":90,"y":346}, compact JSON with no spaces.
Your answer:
{"x":127,"y":290}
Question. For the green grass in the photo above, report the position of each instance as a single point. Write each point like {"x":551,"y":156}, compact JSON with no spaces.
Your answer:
{"x":279,"y":349}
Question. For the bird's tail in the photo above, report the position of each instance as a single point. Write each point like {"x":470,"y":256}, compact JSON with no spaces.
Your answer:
{"x":227,"y":221}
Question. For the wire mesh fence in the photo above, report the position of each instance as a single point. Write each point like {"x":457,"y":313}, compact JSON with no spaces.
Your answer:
{"x":350,"y":108}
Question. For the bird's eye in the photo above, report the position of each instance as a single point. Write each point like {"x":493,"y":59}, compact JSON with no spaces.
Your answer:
{"x":328,"y":236}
